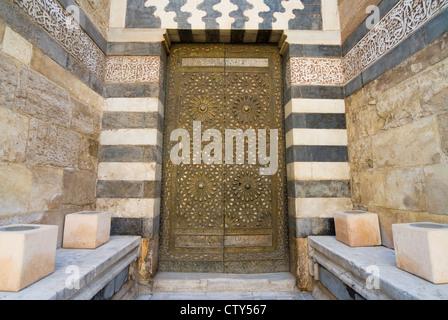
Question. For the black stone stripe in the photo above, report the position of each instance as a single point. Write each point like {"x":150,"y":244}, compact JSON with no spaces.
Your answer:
{"x":133,"y":90}
{"x":305,"y":227}
{"x":132,"y":120}
{"x":135,"y":49}
{"x":212,"y":36}
{"x":314,"y":92}
{"x":237,"y":36}
{"x":143,"y":227}
{"x":315,"y":121}
{"x":317,"y":154}
{"x":186,"y":35}
{"x":316,"y":51}
{"x":130,"y":154}
{"x":319,"y":189}
{"x":263,"y":36}
{"x":128,"y":189}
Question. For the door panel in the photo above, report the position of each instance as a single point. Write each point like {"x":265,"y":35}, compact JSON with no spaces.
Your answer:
{"x":223,"y":217}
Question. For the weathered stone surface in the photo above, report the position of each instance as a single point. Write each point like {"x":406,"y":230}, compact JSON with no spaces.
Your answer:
{"x":401,"y":104}
{"x":372,"y":189}
{"x":300,"y":263}
{"x":42,"y":99}
{"x":15,"y":188}
{"x":405,"y":189}
{"x":79,"y":188}
{"x":360,"y":153}
{"x":433,"y":87}
{"x":88,"y":154}
{"x":52,"y":145}
{"x":2,"y":32}
{"x":429,"y":56}
{"x":437,"y":103}
{"x":98,"y":12}
{"x":443,"y":129}
{"x":365,"y":121}
{"x":85,"y":119}
{"x":47,"y":189}
{"x":147,"y":264}
{"x":411,"y":145}
{"x":13,"y":135}
{"x":9,"y":79}
{"x":436,"y":184}
{"x":51,"y":70}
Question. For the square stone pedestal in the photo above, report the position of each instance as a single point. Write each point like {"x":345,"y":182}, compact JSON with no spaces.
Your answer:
{"x":27,"y":254}
{"x":86,"y":229}
{"x":357,"y":228}
{"x":422,"y":249}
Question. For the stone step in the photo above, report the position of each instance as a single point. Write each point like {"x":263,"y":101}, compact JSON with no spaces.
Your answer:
{"x":240,"y":295}
{"x":213,"y":282}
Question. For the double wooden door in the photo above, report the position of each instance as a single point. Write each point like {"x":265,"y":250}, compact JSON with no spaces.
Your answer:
{"x":220,"y":215}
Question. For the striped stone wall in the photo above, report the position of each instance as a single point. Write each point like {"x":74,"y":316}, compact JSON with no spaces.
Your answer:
{"x":130,"y":151}
{"x":316,"y":138}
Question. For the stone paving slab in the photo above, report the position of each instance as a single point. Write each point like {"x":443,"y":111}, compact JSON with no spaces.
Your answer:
{"x":227,"y":296}
{"x":220,"y":286}
{"x":219,"y":282}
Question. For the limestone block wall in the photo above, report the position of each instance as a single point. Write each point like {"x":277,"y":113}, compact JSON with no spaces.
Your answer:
{"x":396,"y":117}
{"x":398,"y":140}
{"x":49,"y":136}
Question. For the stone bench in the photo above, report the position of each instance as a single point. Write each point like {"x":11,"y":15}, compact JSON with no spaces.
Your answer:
{"x":366,"y":273}
{"x":83,"y":274}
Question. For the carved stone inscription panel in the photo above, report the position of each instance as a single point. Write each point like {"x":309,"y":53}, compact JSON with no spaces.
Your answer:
{"x":221,"y":216}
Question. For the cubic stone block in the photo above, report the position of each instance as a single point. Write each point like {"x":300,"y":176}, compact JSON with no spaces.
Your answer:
{"x":357,"y":228}
{"x":422,"y":249}
{"x":27,"y":254}
{"x":86,"y":229}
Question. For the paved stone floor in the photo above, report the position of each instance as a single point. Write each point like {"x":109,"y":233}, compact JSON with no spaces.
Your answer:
{"x":227,"y":296}
{"x":203,"y":286}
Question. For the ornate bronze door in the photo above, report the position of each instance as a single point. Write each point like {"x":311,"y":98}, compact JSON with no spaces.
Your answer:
{"x":222,"y":215}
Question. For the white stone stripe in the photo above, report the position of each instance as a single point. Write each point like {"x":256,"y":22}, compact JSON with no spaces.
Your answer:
{"x":330,"y":15}
{"x":316,"y":137}
{"x":314,"y":106}
{"x":320,"y":207}
{"x":17,"y":47}
{"x":135,"y":35}
{"x":130,"y":208}
{"x":129,"y":171}
{"x":136,"y":137}
{"x":313,"y":37}
{"x":117,"y":17}
{"x":297,"y":171}
{"x":134,"y":105}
